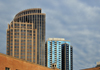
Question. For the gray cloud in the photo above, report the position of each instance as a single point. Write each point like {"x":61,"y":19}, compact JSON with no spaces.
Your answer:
{"x":81,"y":27}
{"x":74,"y":20}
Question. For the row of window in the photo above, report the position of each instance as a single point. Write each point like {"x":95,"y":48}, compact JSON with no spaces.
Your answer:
{"x":22,"y":37}
{"x":28,"y":27}
{"x":17,"y":30}
{"x":31,"y":18}
{"x":17,"y":50}
{"x":16,"y":40}
{"x":21,"y":47}
{"x":55,"y":42}
{"x":25,"y":34}
{"x":30,"y":11}
{"x":16,"y":53}
{"x":22,"y":25}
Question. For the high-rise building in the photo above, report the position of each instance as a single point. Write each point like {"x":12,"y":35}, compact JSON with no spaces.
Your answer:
{"x":58,"y":52}
{"x":26,"y":36}
{"x":67,"y":57}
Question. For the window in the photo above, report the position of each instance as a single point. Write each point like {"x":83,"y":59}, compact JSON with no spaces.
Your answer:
{"x":11,"y":33}
{"x":28,"y":25}
{"x":23,"y":30}
{"x":11,"y":36}
{"x":16,"y":30}
{"x":7,"y":44}
{"x":33,"y":34}
{"x":33,"y":31}
{"x":16,"y":33}
{"x":8,"y":35}
{"x":30,"y":30}
{"x":11,"y":44}
{"x":34,"y":44}
{"x":22,"y":40}
{"x":11,"y":40}
{"x":34,"y":41}
{"x":34,"y":37}
{"x":7,"y":68}
{"x":7,"y":31}
{"x":23,"y":25}
{"x":8,"y":38}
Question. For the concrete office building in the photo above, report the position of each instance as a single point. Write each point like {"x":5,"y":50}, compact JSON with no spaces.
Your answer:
{"x":26,"y":36}
{"x":55,"y":56}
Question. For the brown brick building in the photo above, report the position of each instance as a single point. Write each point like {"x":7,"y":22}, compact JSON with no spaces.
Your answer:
{"x":11,"y":63}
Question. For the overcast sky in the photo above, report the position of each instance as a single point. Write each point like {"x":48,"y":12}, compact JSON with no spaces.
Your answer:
{"x":74,"y":20}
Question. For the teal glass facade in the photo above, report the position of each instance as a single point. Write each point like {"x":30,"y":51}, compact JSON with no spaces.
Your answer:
{"x":54,"y":53}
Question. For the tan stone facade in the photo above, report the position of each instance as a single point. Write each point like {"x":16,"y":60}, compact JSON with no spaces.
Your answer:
{"x":12,"y":63}
{"x":22,"y":41}
{"x":26,"y":36}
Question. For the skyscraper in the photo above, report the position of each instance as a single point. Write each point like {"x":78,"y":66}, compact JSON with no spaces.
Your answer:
{"x":26,"y":36}
{"x":67,"y":57}
{"x":57,"y":53}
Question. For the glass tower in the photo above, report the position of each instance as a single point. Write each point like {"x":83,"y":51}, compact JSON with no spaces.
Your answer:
{"x":67,"y":57}
{"x":26,"y":36}
{"x":54,"y":54}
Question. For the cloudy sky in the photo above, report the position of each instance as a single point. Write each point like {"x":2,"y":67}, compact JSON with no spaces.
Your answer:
{"x":74,"y":20}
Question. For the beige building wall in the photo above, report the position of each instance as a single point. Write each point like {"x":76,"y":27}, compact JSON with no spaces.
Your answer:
{"x":22,"y":41}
